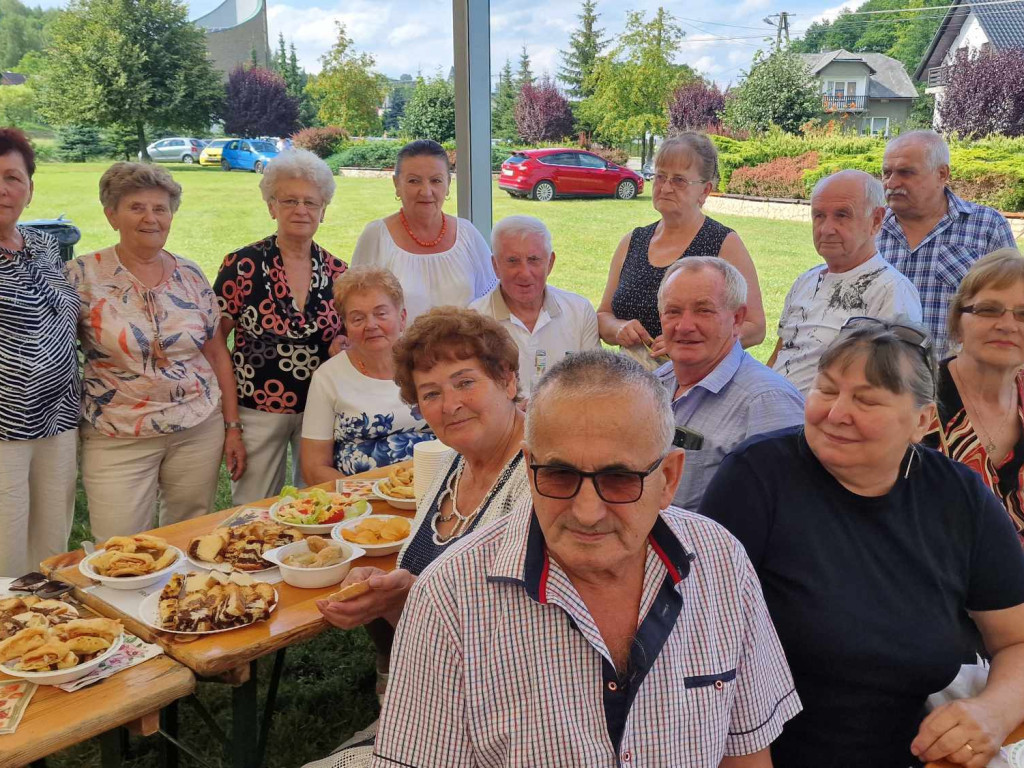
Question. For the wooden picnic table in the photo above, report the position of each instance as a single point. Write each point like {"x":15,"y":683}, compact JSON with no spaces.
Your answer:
{"x":56,"y":719}
{"x":230,"y":657}
{"x":1014,"y":737}
{"x":295,"y":619}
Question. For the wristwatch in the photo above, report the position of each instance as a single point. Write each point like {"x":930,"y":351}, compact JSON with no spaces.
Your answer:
{"x":233,"y":425}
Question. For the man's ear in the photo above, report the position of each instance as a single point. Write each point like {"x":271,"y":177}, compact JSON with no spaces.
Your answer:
{"x":672,"y":470}
{"x":551,"y":262}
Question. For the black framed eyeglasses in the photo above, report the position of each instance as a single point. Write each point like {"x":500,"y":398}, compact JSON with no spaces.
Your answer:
{"x":37,"y":584}
{"x":614,"y":486}
{"x":993,"y":311}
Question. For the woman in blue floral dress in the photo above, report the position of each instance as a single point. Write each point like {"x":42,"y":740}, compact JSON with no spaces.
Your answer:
{"x":355,"y":419}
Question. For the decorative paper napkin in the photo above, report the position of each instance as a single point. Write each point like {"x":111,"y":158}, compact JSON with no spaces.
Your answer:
{"x":14,"y":699}
{"x":132,"y":651}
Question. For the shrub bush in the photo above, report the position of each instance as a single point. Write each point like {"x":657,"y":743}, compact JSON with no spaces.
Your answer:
{"x":78,"y":143}
{"x":782,"y":177}
{"x":366,"y":154}
{"x":322,"y":142}
{"x":611,"y":154}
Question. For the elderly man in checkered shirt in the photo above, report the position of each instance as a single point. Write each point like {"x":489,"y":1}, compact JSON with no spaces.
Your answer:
{"x":929,"y":234}
{"x":596,"y":625}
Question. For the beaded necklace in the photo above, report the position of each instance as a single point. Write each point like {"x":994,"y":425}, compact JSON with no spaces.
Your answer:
{"x":421,"y":243}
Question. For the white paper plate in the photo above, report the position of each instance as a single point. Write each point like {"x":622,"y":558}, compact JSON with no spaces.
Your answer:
{"x":61,"y":676}
{"x":307,"y":529}
{"x":149,"y":614}
{"x":392,"y":500}
{"x":128,"y":582}
{"x":372,"y":550}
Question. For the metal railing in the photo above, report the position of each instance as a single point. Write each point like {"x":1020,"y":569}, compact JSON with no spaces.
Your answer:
{"x":833,"y":103}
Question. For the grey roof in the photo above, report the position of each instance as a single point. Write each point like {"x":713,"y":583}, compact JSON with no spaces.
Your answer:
{"x":887,"y":79}
{"x":12,"y":78}
{"x":1003,"y":25}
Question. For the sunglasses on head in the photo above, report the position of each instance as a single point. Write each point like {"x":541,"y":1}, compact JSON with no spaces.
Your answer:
{"x":905,"y":333}
{"x":40,"y":586}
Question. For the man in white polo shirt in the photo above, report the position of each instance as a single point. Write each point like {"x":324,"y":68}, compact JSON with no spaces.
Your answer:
{"x":546,"y":323}
{"x":595,"y":625}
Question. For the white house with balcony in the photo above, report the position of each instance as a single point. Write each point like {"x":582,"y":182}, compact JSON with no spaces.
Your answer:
{"x":869,"y":93}
{"x":974,"y":28}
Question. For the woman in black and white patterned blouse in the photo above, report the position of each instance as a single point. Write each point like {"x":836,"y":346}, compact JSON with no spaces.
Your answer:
{"x":40,"y":397}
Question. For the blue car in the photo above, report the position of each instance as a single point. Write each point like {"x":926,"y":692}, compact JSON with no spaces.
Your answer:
{"x":247,"y":155}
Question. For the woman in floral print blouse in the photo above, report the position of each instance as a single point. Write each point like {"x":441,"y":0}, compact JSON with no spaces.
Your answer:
{"x":277,"y":296}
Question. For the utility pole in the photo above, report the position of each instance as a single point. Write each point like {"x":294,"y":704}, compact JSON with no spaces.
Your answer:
{"x":781,"y":23}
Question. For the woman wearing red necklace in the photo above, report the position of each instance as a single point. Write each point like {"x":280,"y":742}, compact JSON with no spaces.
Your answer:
{"x":438,"y":259}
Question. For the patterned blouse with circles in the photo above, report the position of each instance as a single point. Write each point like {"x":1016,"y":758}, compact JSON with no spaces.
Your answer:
{"x":277,"y":347}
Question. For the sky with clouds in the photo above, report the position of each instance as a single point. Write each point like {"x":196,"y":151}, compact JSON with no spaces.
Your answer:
{"x":410,"y":36}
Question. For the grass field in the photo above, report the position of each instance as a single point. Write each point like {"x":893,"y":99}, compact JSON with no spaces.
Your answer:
{"x":327,"y":690}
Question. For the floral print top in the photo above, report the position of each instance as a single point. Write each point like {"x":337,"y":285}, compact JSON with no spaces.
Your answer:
{"x":145,"y":372}
{"x":277,"y":347}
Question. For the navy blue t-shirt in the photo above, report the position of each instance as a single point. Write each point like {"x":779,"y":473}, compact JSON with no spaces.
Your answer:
{"x":869,"y":595}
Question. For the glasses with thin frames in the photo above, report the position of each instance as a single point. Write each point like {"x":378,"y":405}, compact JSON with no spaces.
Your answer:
{"x":677,"y":182}
{"x":993,"y":311}
{"x":614,"y":486}
{"x":291,"y":203}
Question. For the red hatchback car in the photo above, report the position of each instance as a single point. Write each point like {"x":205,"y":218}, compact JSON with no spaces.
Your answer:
{"x":544,"y":174}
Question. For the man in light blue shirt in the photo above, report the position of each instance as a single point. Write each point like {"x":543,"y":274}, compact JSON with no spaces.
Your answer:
{"x":717,"y":389}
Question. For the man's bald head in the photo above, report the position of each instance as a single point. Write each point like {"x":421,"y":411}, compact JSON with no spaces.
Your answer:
{"x":870,"y":188}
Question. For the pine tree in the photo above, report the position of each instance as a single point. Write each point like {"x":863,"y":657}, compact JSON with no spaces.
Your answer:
{"x":524,"y":76}
{"x":503,"y":113}
{"x":280,"y":63}
{"x":585,"y":46}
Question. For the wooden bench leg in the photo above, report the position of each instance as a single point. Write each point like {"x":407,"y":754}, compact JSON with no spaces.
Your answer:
{"x":111,"y":752}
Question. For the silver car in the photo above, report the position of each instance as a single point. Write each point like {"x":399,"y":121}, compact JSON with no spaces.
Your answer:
{"x":175,"y":150}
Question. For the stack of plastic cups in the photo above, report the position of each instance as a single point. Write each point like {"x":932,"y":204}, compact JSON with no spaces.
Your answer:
{"x":427,"y":459}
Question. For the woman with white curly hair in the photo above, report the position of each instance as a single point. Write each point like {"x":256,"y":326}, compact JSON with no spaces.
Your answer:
{"x":277,"y":296}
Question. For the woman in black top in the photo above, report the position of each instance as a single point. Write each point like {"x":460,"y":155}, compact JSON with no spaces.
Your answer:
{"x":879,"y":560}
{"x":687,"y":171}
{"x":40,"y":398}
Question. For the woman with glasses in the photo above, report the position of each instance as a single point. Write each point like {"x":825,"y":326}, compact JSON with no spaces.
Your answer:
{"x":686,"y":171}
{"x":461,"y":369}
{"x":440,"y":260}
{"x":277,"y":296}
{"x":355,"y":419}
{"x":159,"y":396}
{"x":980,"y":389}
{"x":880,"y":561}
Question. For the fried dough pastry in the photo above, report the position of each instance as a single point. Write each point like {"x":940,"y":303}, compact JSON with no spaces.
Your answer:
{"x":23,"y":642}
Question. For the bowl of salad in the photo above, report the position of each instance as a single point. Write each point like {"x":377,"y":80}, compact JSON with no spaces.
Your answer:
{"x":316,"y":510}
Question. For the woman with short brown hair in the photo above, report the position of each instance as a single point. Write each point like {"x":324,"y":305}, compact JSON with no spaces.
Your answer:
{"x":39,"y":382}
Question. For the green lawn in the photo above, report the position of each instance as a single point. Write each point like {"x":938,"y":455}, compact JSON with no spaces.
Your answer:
{"x":327,"y":691}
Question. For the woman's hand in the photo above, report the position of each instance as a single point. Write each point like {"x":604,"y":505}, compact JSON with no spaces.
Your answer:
{"x":234,"y":453}
{"x":659,"y":347}
{"x":632,"y":333}
{"x":947,"y":729}
{"x":385,"y":600}
{"x":340,"y":344}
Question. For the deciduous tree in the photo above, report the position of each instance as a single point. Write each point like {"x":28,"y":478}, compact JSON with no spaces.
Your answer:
{"x":132,"y":62}
{"x":778,"y":90}
{"x":585,"y":46}
{"x":258,"y":104}
{"x":695,"y":106}
{"x":430,"y":113}
{"x":633,"y":83}
{"x":985,"y":94}
{"x":542,"y":113}
{"x":347,"y":91}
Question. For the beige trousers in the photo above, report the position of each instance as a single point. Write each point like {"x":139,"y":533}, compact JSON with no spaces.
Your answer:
{"x":266,"y":437}
{"x":136,"y":483}
{"x":37,"y":499}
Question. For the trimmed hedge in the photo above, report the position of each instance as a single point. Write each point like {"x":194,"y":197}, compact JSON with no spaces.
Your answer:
{"x":988,"y":171}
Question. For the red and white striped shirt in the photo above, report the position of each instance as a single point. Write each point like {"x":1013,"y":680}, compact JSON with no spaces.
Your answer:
{"x":497,"y":661}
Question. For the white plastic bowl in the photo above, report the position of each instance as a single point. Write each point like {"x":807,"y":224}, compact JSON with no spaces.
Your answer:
{"x":128,"y":582}
{"x":394,"y":501}
{"x":61,"y":676}
{"x":313,"y":578}
{"x":372,"y":550}
{"x":303,"y":527}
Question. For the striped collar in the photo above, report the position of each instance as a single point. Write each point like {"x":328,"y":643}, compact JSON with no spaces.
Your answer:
{"x":523,"y":558}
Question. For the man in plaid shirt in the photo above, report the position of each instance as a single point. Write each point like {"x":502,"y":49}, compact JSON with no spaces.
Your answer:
{"x":595,"y":625}
{"x":929,"y":234}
